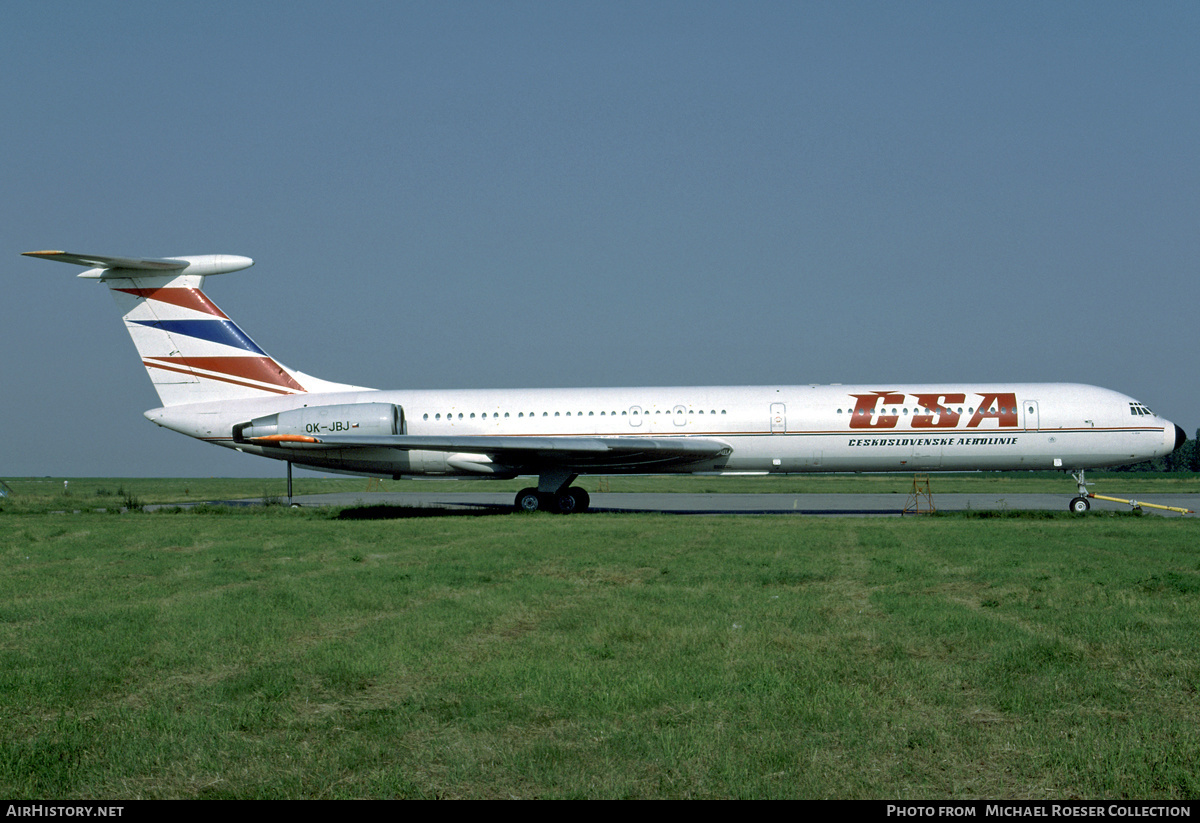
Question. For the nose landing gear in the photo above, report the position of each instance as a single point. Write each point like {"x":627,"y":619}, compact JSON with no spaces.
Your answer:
{"x":1081,"y":504}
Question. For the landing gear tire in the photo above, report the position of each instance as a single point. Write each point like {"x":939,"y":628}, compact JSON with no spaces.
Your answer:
{"x":528,"y":500}
{"x":583,"y":500}
{"x":573,"y":501}
{"x":1079,"y":505}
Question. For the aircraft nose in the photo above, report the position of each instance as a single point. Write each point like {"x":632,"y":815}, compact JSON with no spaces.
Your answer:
{"x":1180,"y":436}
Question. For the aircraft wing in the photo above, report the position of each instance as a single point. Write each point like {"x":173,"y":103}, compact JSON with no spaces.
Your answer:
{"x":530,"y":452}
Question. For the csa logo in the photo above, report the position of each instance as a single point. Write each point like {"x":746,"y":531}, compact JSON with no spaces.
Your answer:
{"x":880,"y":410}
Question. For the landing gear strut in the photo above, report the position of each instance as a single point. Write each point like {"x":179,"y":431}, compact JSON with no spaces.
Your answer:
{"x":1080,"y":504}
{"x":554,"y":493}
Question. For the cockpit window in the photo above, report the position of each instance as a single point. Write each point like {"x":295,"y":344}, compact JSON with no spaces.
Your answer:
{"x":1137,"y":409}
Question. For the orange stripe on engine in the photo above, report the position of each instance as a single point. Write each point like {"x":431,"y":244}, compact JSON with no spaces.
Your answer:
{"x":284,"y":438}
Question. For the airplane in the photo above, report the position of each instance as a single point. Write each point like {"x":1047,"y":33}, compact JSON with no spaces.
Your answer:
{"x":217,"y":385}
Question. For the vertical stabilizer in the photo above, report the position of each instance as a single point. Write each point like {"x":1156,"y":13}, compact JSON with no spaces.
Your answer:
{"x":191,"y":349}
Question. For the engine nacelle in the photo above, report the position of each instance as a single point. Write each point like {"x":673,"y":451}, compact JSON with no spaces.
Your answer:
{"x":314,"y":421}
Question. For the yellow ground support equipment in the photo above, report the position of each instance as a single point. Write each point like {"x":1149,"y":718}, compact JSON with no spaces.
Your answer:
{"x":1139,"y":504}
{"x":920,"y":492}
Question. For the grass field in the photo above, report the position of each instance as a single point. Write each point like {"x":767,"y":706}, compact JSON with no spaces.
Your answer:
{"x":268,"y":652}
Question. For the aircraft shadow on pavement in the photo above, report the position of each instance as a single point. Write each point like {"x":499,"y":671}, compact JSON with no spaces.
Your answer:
{"x":390,"y":512}
{"x":385,"y":511}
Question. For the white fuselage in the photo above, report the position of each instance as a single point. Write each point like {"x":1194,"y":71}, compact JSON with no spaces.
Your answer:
{"x":833,"y":428}
{"x":216,"y":384}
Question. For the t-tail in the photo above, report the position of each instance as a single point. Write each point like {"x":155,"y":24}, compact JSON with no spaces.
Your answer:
{"x":191,"y":349}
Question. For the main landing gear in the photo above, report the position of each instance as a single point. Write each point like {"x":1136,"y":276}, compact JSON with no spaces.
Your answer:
{"x":554,"y":493}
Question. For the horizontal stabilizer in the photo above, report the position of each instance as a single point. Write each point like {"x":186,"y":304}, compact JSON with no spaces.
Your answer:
{"x":97,"y":262}
{"x":203,"y":264}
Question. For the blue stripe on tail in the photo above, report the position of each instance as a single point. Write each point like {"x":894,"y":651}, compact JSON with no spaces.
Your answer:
{"x":224,"y":332}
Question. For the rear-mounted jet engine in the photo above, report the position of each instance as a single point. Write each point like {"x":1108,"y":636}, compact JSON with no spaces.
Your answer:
{"x":307,"y":424}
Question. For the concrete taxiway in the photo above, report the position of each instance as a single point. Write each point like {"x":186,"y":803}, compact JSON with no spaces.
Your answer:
{"x":806,"y":504}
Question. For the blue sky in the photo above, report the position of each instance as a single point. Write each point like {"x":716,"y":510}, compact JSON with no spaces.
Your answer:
{"x":521,"y":194}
